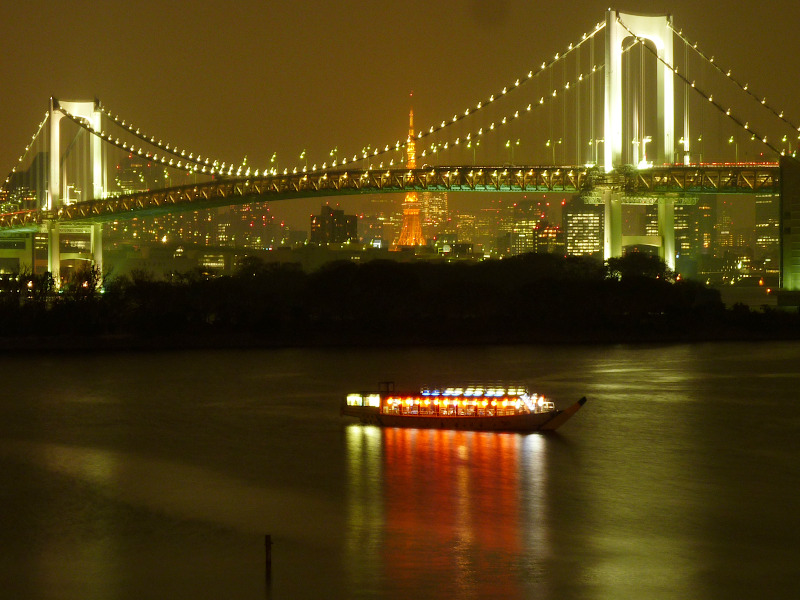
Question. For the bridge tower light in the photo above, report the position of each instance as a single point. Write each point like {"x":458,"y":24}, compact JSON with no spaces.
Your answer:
{"x":644,"y":164}
{"x":657,"y":29}
{"x":731,"y":140}
{"x":552,"y":145}
{"x":593,"y":143}
{"x":685,"y":143}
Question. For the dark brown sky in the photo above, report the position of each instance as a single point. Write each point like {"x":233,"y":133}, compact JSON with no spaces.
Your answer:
{"x":254,"y":77}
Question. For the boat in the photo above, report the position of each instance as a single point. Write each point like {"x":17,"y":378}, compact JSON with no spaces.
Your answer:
{"x":474,"y":407}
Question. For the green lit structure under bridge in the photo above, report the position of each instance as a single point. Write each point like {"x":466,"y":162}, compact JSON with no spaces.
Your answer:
{"x":665,"y":186}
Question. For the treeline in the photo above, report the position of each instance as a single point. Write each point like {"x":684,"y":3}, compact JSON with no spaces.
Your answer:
{"x":526,"y":299}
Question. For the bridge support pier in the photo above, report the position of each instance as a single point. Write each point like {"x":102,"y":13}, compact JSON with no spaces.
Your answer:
{"x":666,"y":230}
{"x":613,"y":240}
{"x":790,"y":223}
{"x":94,"y":252}
{"x":96,"y":244}
{"x":612,"y":230}
{"x":16,"y":253}
{"x":53,"y":249}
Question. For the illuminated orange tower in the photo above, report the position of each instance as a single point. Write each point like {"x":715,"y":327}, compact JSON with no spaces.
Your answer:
{"x":411,"y":233}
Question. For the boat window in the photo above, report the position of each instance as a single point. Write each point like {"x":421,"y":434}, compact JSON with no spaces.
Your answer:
{"x":355,"y":400}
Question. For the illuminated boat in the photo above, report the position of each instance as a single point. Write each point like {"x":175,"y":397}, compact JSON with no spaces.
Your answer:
{"x":487,"y":408}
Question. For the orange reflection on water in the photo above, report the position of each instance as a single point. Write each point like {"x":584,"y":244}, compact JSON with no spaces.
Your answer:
{"x":452,"y":511}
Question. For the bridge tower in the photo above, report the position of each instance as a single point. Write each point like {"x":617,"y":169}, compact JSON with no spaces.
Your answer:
{"x":657,"y":29}
{"x":411,"y":232}
{"x":57,"y":184}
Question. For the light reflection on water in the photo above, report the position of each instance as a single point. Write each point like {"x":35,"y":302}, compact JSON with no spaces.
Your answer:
{"x":445,"y":513}
{"x":157,"y":475}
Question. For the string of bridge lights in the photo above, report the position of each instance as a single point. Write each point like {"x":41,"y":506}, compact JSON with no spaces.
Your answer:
{"x":212,"y":166}
{"x":27,"y":148}
{"x":745,"y":87}
{"x":179,"y":160}
{"x":727,"y":112}
{"x":495,"y":125}
{"x":435,"y":148}
{"x":197,"y":164}
{"x":531,"y":74}
{"x":481,"y":105}
{"x":473,"y":136}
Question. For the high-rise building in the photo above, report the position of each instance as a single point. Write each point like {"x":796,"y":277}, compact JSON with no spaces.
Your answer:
{"x":549,"y":239}
{"x":411,"y":231}
{"x":684,"y":227}
{"x":583,"y":228}
{"x":332,"y":226}
{"x":251,"y":226}
{"x":767,"y":235}
{"x":466,"y":228}
{"x":135,"y":173}
{"x":723,"y":229}
{"x":527,"y":217}
{"x":705,"y":218}
{"x":434,"y":213}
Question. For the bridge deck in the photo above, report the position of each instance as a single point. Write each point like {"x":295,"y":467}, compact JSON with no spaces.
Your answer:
{"x":671,"y":179}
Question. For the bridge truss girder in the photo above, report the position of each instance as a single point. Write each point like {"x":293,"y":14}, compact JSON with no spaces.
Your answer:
{"x":714,"y":179}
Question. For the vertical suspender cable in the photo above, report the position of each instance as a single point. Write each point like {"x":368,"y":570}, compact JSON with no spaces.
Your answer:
{"x":551,"y":111}
{"x":592,"y":135}
{"x":643,"y":101}
{"x":563,"y":111}
{"x":578,"y":114}
{"x":685,"y":99}
{"x":631,"y":100}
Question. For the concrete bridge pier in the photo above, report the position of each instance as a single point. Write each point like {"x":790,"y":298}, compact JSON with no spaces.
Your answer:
{"x":612,"y":229}
{"x":96,"y":244}
{"x":666,"y":230}
{"x":53,"y":249}
{"x":94,"y":252}
{"x":615,"y":242}
{"x":790,"y":223}
{"x":16,"y":252}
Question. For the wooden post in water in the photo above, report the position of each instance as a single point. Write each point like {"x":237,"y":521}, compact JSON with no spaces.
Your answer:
{"x":268,"y":555}
{"x":268,"y":558}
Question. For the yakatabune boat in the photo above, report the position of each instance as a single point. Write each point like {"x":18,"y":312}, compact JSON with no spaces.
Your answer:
{"x":490,"y":408}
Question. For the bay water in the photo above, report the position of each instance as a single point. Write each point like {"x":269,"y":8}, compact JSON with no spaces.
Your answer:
{"x":158,"y":475}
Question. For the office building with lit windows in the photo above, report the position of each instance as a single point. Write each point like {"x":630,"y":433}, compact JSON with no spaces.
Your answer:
{"x":332,"y":226}
{"x":583,"y":228}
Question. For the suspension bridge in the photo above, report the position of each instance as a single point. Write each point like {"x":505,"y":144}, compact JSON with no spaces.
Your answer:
{"x":633,"y":112}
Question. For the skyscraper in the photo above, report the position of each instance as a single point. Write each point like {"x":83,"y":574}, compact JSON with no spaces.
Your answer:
{"x":435,"y":212}
{"x":333,"y":227}
{"x":527,"y":217}
{"x":768,"y":232}
{"x":583,"y":228}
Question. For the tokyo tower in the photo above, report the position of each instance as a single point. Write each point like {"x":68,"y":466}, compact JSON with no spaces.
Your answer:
{"x":411,"y":233}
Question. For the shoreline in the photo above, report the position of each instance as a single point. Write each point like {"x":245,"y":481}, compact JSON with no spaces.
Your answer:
{"x":59,"y":344}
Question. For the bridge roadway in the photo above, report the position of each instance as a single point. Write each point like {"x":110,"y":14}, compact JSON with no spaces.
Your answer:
{"x":676,"y":180}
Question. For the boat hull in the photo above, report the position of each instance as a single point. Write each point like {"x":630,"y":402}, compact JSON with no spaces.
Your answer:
{"x":530,"y":422}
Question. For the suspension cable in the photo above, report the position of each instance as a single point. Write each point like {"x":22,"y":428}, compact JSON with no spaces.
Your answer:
{"x":25,"y":152}
{"x":744,"y":87}
{"x":709,"y":97}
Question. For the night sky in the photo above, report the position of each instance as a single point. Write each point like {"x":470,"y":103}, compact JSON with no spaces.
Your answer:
{"x":252,"y":78}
